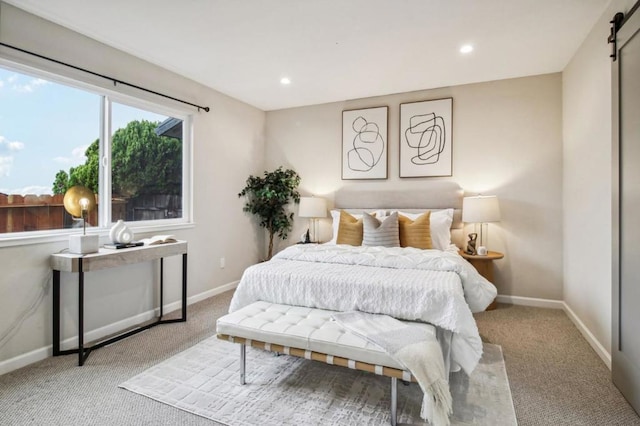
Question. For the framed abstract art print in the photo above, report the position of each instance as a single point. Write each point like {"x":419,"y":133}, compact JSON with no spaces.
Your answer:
{"x":426,"y":138}
{"x":364,"y":143}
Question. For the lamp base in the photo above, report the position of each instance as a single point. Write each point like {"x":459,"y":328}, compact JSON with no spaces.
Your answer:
{"x":83,"y":244}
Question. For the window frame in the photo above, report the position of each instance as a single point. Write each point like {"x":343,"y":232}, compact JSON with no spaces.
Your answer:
{"x":104,"y":214}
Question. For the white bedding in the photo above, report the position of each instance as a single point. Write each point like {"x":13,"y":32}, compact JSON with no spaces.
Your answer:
{"x":438,"y":287}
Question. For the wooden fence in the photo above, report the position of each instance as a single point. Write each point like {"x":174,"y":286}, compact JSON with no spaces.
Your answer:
{"x":41,"y":212}
{"x":35,"y":213}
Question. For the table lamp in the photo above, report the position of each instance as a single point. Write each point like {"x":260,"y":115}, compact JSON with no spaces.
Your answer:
{"x":481,"y":209}
{"x":78,"y":202}
{"x":313,"y":208}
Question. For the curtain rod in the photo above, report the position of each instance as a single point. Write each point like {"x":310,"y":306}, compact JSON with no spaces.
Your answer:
{"x":106,"y":77}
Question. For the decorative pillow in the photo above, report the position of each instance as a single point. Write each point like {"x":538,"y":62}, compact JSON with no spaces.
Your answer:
{"x":349,"y":230}
{"x":383,"y":233}
{"x":335,"y":223}
{"x":415,"y":233}
{"x":440,"y":227}
{"x":335,"y":217}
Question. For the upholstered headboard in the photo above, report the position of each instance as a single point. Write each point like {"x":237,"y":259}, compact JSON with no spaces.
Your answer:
{"x":434,"y":195}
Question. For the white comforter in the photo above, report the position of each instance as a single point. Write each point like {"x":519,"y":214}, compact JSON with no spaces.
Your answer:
{"x":433,"y":286}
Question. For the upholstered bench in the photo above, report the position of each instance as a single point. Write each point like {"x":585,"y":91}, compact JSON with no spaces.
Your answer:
{"x":308,"y":333}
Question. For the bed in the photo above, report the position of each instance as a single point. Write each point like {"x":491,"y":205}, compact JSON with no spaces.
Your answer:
{"x":435,"y":286}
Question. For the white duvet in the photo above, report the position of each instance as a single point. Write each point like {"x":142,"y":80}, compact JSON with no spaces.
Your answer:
{"x":438,"y":287}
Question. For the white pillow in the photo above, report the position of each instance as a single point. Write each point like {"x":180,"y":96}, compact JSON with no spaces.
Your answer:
{"x":439,"y":226}
{"x":335,"y":224}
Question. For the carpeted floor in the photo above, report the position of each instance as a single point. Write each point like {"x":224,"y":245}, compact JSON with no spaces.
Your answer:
{"x":555,"y":377}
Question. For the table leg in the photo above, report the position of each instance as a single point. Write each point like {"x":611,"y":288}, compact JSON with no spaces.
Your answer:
{"x":243,"y":362}
{"x":56,"y":312}
{"x":394,"y":401}
{"x":161,"y":286}
{"x":80,"y":313}
{"x":184,"y":287}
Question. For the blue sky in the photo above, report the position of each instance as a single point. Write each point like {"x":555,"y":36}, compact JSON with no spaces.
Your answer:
{"x":46,"y":127}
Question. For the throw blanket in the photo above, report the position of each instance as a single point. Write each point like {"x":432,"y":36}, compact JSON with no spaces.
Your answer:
{"x":416,"y":348}
{"x":410,"y":284}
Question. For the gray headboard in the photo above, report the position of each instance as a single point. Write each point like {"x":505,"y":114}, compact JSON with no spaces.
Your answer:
{"x":432,"y":195}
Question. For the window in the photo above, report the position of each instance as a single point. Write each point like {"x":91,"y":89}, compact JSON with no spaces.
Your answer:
{"x":146,"y":165}
{"x":50,"y":141}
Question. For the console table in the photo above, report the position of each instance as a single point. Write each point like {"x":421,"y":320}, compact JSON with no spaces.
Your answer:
{"x":104,"y":259}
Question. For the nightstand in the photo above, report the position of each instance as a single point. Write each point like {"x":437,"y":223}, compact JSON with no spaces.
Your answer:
{"x":484,"y":266}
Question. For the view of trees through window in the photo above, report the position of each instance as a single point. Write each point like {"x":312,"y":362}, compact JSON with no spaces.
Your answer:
{"x":49,"y":143}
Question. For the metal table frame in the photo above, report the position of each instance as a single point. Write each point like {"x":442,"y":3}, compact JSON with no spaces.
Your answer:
{"x":76,"y":263}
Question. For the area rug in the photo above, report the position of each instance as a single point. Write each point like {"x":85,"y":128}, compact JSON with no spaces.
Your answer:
{"x":285,"y":390}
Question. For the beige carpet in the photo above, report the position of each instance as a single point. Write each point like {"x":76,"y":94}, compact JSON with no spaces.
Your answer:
{"x":289,"y":391}
{"x":555,"y":377}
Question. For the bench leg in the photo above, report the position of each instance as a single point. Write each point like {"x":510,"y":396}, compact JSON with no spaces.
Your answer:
{"x":394,"y":401}
{"x":243,"y":361}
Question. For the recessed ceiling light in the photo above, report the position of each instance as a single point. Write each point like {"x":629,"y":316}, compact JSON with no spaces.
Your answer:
{"x":467,"y":48}
{"x":285,"y":80}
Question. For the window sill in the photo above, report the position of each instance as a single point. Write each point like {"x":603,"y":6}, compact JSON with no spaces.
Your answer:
{"x":44,"y":237}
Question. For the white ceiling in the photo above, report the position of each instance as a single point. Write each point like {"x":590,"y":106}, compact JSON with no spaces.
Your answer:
{"x":333,"y":50}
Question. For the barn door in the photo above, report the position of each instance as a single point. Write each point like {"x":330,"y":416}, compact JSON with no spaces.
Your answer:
{"x":626,"y":209}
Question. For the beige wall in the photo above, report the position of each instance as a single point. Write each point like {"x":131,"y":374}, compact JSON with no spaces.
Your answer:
{"x":228,"y":146}
{"x":587,"y":179}
{"x":507,"y":141}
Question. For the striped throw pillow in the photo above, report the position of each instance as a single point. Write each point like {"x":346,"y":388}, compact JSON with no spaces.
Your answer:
{"x":349,"y":230}
{"x":383,"y":233}
{"x":415,"y":233}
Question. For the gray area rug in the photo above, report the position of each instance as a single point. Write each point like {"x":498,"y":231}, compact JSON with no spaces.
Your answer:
{"x":284,"y":390}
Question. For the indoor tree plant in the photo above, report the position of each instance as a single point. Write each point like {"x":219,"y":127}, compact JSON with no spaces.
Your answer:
{"x":268,"y":197}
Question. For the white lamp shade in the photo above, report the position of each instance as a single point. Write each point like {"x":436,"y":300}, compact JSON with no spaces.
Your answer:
{"x":480,"y":209}
{"x":312,"y":207}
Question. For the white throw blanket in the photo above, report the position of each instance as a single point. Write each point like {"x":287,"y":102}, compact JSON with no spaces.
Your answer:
{"x":416,"y":348}
{"x":415,"y":285}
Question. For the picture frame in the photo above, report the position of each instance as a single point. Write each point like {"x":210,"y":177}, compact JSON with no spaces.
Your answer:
{"x":365,"y":143}
{"x":426,"y":138}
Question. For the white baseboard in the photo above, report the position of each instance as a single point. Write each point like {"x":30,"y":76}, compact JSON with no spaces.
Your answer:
{"x":591,"y":339}
{"x":47,"y":351}
{"x":25,"y":359}
{"x":560,"y":304}
{"x":530,"y":301}
{"x":195,"y":298}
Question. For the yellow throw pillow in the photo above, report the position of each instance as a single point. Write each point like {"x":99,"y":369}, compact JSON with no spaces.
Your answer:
{"x":415,"y":233}
{"x":349,"y":229}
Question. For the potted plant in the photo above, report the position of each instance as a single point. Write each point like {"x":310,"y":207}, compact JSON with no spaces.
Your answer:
{"x":268,"y":197}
